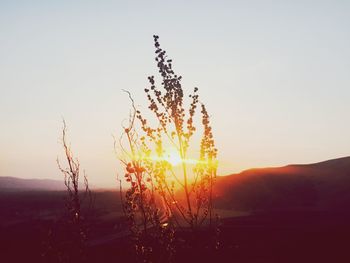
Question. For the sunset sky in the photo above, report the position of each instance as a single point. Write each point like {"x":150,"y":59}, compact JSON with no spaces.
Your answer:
{"x":275,"y":76}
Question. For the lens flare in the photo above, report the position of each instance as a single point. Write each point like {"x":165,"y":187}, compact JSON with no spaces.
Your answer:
{"x":173,"y":157}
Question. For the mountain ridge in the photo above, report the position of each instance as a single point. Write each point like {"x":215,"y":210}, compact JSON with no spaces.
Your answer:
{"x":322,"y":186}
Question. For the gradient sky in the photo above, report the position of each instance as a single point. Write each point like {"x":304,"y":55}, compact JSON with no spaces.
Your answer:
{"x":274,"y":75}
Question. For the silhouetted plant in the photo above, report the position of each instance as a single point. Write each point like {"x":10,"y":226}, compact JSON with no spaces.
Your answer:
{"x":68,"y":238}
{"x":160,"y":193}
{"x":149,"y":227}
{"x":71,"y":180}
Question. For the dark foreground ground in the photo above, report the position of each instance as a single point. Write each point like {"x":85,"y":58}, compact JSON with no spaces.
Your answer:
{"x":28,"y":219}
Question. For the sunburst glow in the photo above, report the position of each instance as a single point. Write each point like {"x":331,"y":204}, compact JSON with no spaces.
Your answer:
{"x":173,"y":157}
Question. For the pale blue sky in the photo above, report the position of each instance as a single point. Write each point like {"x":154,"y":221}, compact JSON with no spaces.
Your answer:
{"x":274,"y":75}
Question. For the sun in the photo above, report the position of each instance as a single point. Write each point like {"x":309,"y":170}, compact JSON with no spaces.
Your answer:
{"x":174,"y":158}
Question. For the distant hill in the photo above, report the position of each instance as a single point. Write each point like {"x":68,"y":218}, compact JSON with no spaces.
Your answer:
{"x":19,"y":184}
{"x":321,"y":186}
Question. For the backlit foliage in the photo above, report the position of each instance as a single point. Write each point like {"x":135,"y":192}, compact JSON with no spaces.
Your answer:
{"x":185,"y":192}
{"x":168,"y":186}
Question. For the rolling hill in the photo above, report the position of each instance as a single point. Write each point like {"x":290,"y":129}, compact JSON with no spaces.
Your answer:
{"x":20,"y":184}
{"x":320,"y":186}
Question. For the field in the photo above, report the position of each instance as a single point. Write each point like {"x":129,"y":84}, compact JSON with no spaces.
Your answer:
{"x":28,"y":218}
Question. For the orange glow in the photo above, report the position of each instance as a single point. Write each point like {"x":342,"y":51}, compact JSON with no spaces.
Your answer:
{"x":173,"y":157}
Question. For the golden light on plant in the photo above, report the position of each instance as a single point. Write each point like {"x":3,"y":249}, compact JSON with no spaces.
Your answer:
{"x":158,"y":160}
